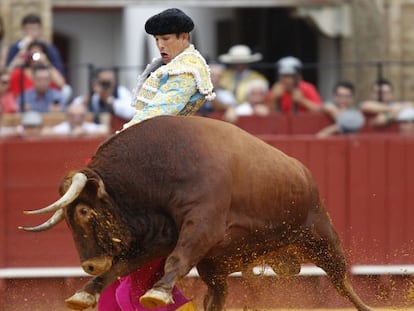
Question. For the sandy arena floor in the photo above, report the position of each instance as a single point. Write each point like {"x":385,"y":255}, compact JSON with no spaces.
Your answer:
{"x":375,"y":309}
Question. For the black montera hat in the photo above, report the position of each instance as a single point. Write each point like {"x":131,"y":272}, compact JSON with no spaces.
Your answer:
{"x":169,"y":21}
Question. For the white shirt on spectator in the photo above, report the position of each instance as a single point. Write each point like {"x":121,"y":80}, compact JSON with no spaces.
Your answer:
{"x":89,"y":128}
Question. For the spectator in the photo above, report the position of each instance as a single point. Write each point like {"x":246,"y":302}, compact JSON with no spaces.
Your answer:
{"x":238,"y":74}
{"x":254,"y":105}
{"x":30,"y":126}
{"x":109,"y":96}
{"x":2,"y":48}
{"x":21,"y":79}
{"x":42,"y":97}
{"x":382,"y":105}
{"x":405,"y":119}
{"x":76,"y":124}
{"x":291,"y":93}
{"x":348,"y":118}
{"x":32,"y":31}
{"x":224,"y":98}
{"x":7,"y":100}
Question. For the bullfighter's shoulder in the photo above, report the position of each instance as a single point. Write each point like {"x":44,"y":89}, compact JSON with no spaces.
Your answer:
{"x":191,"y":62}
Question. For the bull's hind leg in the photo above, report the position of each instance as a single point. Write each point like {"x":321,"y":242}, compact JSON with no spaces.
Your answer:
{"x":216,"y":282}
{"x":285,"y":264}
{"x":324,"y":249}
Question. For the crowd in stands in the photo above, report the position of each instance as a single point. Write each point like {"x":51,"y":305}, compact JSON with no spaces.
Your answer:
{"x":247,"y":92}
{"x":37,"y":101}
{"x":33,"y":84}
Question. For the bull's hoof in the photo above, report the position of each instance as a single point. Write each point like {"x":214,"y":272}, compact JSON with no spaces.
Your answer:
{"x":81,"y":300}
{"x":155,"y":298}
{"x":189,"y":306}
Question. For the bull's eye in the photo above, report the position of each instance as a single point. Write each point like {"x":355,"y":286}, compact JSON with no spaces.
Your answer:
{"x":83,"y":210}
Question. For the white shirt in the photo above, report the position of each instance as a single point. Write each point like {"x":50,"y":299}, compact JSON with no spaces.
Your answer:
{"x":89,"y":128}
{"x":122,"y":105}
{"x":244,"y":109}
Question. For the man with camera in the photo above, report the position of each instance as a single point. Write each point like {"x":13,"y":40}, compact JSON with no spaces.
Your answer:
{"x":41,"y":96}
{"x":32,"y":31}
{"x":109,"y":97}
{"x":290,"y":93}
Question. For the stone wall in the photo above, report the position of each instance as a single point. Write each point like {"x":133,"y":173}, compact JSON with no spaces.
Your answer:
{"x":405,"y":41}
{"x":12,"y":12}
{"x":381,"y":33}
{"x":364,"y":46}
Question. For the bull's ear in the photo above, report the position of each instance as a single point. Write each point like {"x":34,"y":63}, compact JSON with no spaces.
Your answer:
{"x":96,"y":188}
{"x":101,"y":190}
{"x":66,"y":182}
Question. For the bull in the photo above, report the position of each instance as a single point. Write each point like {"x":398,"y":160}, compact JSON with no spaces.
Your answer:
{"x":201,"y":193}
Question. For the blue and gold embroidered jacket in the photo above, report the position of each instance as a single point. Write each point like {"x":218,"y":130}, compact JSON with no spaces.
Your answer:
{"x":177,"y":88}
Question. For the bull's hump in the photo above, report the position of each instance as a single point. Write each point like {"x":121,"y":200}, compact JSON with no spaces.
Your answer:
{"x":189,"y":144}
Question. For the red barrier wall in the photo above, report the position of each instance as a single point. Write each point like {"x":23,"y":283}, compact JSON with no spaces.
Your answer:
{"x":380,"y":208}
{"x":365,"y":181}
{"x":32,"y":171}
{"x":301,"y":123}
{"x":3,"y":212}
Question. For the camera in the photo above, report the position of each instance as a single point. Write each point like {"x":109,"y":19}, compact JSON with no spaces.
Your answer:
{"x":35,"y":56}
{"x":105,"y":84}
{"x":29,"y":57}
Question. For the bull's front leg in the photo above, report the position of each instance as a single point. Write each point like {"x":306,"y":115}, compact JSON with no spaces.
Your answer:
{"x":89,"y":295}
{"x":86,"y":297}
{"x":200,"y":231}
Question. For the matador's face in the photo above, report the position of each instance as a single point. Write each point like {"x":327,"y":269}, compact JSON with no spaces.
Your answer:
{"x":170,"y":45}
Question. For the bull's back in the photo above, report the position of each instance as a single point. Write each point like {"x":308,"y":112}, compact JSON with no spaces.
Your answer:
{"x":181,"y":154}
{"x":266,"y":183}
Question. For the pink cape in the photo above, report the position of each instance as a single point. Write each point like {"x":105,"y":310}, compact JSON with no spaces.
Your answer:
{"x":123,"y":295}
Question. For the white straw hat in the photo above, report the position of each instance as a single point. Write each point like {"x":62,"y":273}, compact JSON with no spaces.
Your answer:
{"x":240,"y":54}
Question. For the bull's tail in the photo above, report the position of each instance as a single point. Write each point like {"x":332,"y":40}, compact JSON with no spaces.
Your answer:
{"x":324,"y":248}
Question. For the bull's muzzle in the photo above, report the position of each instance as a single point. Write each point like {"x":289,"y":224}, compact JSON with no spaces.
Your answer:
{"x":98,"y":265}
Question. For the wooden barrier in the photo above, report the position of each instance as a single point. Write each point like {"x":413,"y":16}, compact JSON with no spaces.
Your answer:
{"x":48,"y":119}
{"x":364,"y":180}
{"x":301,"y":123}
{"x":33,"y":170}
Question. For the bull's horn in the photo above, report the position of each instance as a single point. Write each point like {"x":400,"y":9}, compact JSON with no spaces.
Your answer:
{"x":52,"y":221}
{"x":77,"y":185}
